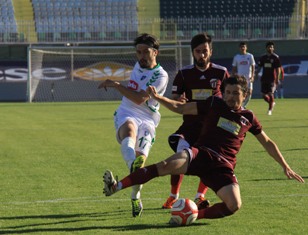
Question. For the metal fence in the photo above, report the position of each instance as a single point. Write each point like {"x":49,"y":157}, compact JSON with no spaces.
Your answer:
{"x":231,"y":28}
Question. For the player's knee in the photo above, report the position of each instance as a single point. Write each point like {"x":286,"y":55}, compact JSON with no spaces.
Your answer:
{"x":234,"y":206}
{"x":162,"y":168}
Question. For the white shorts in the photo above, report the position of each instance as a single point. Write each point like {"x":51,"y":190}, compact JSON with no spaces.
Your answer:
{"x":145,"y":129}
{"x":250,"y":85}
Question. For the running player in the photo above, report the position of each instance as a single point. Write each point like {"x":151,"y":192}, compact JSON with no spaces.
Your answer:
{"x":194,"y":82}
{"x":213,"y":157}
{"x":138,"y":114}
{"x":244,"y":64}
{"x":270,"y":63}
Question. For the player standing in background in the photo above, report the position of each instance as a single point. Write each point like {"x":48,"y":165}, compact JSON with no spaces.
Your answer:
{"x":244,"y":64}
{"x":138,"y":114}
{"x":270,"y":63}
{"x":192,"y":83}
{"x":213,"y":156}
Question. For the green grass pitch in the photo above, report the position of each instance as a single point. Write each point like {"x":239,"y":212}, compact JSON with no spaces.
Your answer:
{"x":53,"y":155}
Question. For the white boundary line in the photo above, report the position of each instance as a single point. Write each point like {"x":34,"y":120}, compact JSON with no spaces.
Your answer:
{"x":104,"y":199}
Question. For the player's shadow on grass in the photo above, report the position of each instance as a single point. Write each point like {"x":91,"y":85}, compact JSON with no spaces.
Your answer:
{"x":55,"y":216}
{"x":58,"y":220}
{"x":273,"y":179}
{"x":74,"y":219}
{"x":135,"y":227}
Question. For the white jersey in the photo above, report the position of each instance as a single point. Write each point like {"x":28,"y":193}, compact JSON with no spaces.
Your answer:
{"x":243,"y":63}
{"x":140,"y":79}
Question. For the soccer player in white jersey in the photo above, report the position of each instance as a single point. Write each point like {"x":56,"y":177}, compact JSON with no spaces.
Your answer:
{"x":138,"y":114}
{"x":244,"y":64}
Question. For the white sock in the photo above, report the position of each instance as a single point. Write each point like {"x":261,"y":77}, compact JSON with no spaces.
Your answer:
{"x":199,"y":195}
{"x":128,"y":151}
{"x":136,"y":191}
{"x":176,"y":196}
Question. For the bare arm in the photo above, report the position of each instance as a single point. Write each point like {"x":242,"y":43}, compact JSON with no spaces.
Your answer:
{"x":173,"y":105}
{"x":252,"y":73}
{"x":275,"y":153}
{"x":136,"y":97}
{"x":234,"y":70}
{"x":278,"y":72}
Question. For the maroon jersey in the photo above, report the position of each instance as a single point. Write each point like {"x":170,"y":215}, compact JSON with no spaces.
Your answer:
{"x":198,"y":85}
{"x":269,"y":63}
{"x":224,"y":129}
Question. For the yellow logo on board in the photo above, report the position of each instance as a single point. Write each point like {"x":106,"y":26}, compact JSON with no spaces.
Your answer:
{"x":104,"y":70}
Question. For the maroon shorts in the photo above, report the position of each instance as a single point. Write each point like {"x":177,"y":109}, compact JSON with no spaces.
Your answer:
{"x":214,"y":170}
{"x":268,"y":87}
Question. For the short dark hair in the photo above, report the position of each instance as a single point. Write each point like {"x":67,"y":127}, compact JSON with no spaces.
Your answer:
{"x":147,"y":39}
{"x":242,"y":44}
{"x":235,"y":80}
{"x":199,"y":39}
{"x":270,"y":43}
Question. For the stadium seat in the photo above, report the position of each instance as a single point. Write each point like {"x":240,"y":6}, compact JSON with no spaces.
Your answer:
{"x":72,"y":36}
{"x":180,"y":34}
{"x":226,"y":33}
{"x":6,"y":37}
{"x":102,"y":36}
{"x":194,"y":32}
{"x":163,"y":34}
{"x":241,"y":33}
{"x":41,"y":36}
{"x":21,"y":37}
{"x":211,"y":32}
{"x":117,"y":35}
{"x":257,"y":33}
{"x":271,"y":32}
{"x":56,"y":36}
{"x":87,"y":36}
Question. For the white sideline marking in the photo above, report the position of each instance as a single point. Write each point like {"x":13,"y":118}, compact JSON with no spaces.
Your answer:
{"x":102,"y":198}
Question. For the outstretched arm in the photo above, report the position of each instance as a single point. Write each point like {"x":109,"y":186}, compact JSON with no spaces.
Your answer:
{"x":173,"y":105}
{"x":275,"y":153}
{"x":137,"y":97}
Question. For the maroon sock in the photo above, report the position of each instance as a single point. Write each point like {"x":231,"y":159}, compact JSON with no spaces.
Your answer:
{"x":176,"y":181}
{"x":271,"y":101}
{"x":218,"y":210}
{"x":140,"y":176}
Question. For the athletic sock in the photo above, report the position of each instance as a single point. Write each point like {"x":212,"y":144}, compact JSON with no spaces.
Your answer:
{"x":176,"y":181}
{"x":140,"y":176}
{"x":128,"y":151}
{"x":218,"y":210}
{"x":202,"y":189}
{"x":271,"y":102}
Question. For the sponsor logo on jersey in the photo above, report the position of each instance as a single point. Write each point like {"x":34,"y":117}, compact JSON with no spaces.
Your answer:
{"x":142,"y":78}
{"x":244,"y":62}
{"x":201,"y":94}
{"x":174,"y":88}
{"x":104,"y":70}
{"x":202,"y":77}
{"x":132,"y":85}
{"x":267,"y":65}
{"x":229,"y":126}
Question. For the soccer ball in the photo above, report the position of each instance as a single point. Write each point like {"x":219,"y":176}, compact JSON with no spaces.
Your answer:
{"x":184,"y":212}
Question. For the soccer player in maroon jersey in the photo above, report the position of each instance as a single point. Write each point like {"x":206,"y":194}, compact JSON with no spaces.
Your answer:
{"x":194,"y":82}
{"x":213,"y":156}
{"x":271,"y":65}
